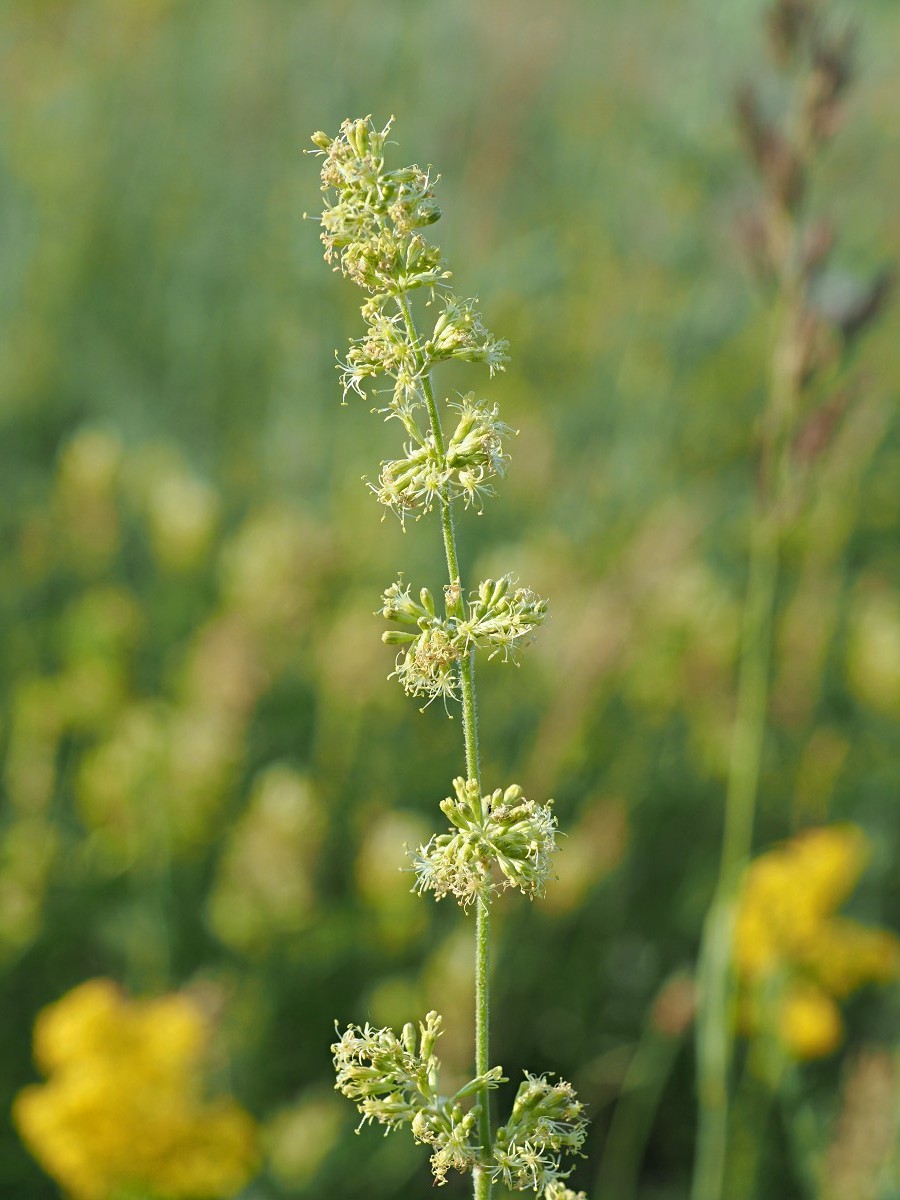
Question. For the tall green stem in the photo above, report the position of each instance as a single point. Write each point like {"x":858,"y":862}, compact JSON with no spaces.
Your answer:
{"x":715,"y":1018}
{"x":481,"y":1174}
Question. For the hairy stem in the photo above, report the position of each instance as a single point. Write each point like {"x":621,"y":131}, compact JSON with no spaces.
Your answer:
{"x":481,"y":1175}
{"x":482,"y":1178}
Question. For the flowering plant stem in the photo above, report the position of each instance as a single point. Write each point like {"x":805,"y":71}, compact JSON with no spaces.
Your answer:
{"x":371,"y":230}
{"x":480,"y":1177}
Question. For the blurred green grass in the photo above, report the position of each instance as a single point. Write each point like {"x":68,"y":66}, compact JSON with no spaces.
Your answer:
{"x":167,"y":359}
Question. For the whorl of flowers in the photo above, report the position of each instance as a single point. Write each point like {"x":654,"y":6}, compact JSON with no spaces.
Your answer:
{"x":394,"y":1083}
{"x":427,"y":475}
{"x":547,"y":1122}
{"x":500,"y":618}
{"x":503,"y":831}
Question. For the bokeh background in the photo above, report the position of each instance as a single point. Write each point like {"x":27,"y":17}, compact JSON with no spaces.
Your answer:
{"x":207,"y":778}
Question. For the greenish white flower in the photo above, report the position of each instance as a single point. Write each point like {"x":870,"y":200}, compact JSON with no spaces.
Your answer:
{"x":428,"y":666}
{"x":371,"y":214}
{"x":502,"y":618}
{"x":462,"y":471}
{"x":454,"y":1135}
{"x":384,"y":350}
{"x":387,"y":349}
{"x":394,"y":1083}
{"x":499,"y":841}
{"x":391,"y":263}
{"x":370,"y":227}
{"x":497,"y":617}
{"x":547,"y":1122}
{"x":557,"y":1190}
{"x":387,"y":1078}
{"x":459,"y":332}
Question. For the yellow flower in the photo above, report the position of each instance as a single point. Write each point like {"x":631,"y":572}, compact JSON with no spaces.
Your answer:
{"x":809,"y":1022}
{"x":846,"y":955}
{"x":793,"y":955}
{"x":94,"y":1023}
{"x":123,"y":1109}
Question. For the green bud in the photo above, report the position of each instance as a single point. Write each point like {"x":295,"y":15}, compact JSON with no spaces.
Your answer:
{"x":402,"y":175}
{"x":430,"y":1031}
{"x":358,"y":137}
{"x":491,"y":1079}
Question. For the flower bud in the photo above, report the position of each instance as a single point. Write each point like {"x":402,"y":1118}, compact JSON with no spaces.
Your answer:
{"x":396,"y":637}
{"x":408,"y":1037}
{"x":358,"y":137}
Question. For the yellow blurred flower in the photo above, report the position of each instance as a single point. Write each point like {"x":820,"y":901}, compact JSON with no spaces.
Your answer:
{"x":809,"y":1022}
{"x":793,"y":955}
{"x":122,"y":1110}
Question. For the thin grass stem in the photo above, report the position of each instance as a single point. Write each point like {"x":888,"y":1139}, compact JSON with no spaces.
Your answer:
{"x":715,"y":1036}
{"x":715,"y":1018}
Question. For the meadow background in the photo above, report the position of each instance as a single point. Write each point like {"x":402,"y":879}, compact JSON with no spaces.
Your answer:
{"x":207,"y":780}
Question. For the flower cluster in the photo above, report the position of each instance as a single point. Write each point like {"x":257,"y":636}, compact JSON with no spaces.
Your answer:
{"x":122,"y":1112}
{"x":501,"y":833}
{"x":390,"y":348}
{"x":547,"y":1121}
{"x":461,"y":471}
{"x":385,"y":1076}
{"x":370,"y":229}
{"x":500,"y":619}
{"x":796,"y":958}
{"x":394,"y":1083}
{"x":557,"y":1190}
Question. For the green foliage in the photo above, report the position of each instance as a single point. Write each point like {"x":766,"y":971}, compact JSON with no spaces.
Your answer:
{"x":206,"y":775}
